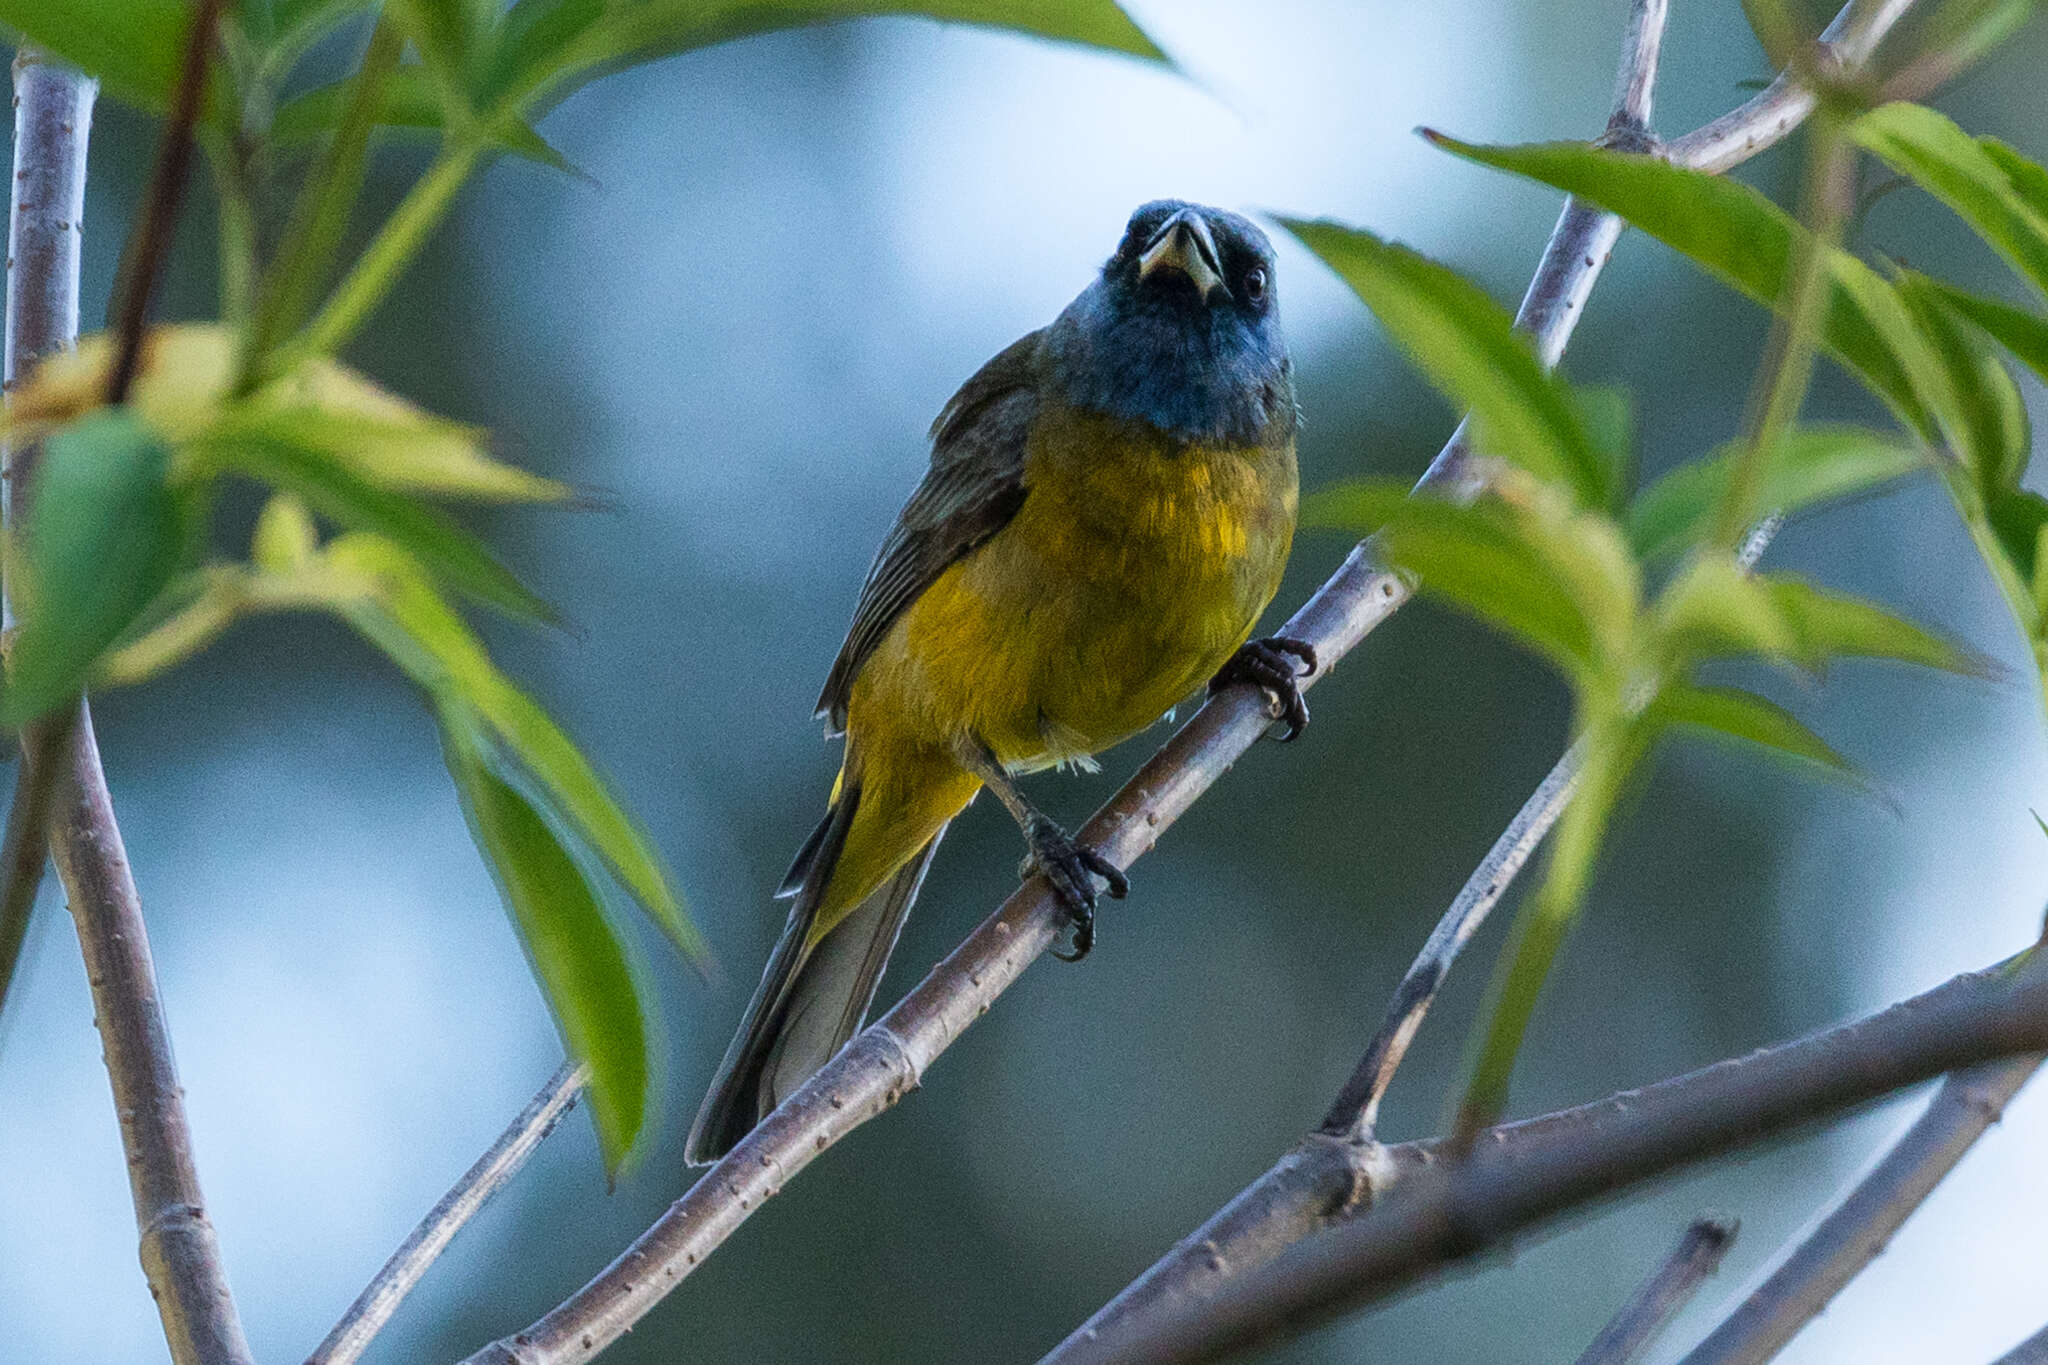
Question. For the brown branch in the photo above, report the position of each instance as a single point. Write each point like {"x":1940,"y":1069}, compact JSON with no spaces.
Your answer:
{"x":179,"y":1253}
{"x":45,"y":238}
{"x":1857,"y":1229}
{"x":1519,"y":1175}
{"x":1657,"y":1300}
{"x":143,"y":259}
{"x":375,"y":1305}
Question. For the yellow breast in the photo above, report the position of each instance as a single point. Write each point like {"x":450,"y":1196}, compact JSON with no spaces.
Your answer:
{"x":1135,"y":567}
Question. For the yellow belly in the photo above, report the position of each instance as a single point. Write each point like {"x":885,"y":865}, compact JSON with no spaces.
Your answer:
{"x":1131,"y":573}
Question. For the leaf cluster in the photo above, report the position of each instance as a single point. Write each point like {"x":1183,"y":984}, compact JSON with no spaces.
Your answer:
{"x":1630,"y":597}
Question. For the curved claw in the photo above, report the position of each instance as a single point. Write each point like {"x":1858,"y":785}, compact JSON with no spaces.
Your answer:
{"x":1267,"y":664}
{"x":1072,"y":868}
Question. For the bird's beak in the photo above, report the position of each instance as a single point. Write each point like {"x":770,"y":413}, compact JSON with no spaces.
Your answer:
{"x":1183,"y":243}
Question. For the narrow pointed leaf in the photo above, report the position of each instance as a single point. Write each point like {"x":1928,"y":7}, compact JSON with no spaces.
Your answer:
{"x":2023,"y":333}
{"x":104,"y":534}
{"x":1474,"y":557}
{"x":411,"y":99}
{"x":1928,"y":148}
{"x":1747,"y":241}
{"x":1811,"y":465}
{"x":347,"y":499}
{"x":1831,"y":625}
{"x":418,"y":630}
{"x":1748,"y":717}
{"x":577,"y":959}
{"x":554,"y":45}
{"x":1986,"y":419}
{"x":1467,"y":346}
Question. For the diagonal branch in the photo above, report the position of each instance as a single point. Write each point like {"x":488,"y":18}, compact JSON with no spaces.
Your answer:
{"x":45,"y":238}
{"x":1856,"y":1230}
{"x":891,"y":1055}
{"x":1518,"y":1176}
{"x":2032,"y":1351}
{"x":402,"y":1273}
{"x":1630,"y":1333}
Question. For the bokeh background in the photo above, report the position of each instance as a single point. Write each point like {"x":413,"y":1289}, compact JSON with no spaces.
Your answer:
{"x":784,"y":256}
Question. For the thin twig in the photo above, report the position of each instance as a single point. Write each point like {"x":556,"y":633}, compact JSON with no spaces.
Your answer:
{"x":45,"y":237}
{"x":1858,"y":1228}
{"x":180,"y":1255}
{"x":375,"y":1305}
{"x":1443,"y":1211}
{"x":891,"y":1055}
{"x":1657,"y":1300}
{"x":142,"y":262}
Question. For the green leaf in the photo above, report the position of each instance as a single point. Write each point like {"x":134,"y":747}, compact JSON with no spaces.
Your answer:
{"x":103,"y":536}
{"x":1984,"y":416}
{"x":348,"y":499}
{"x":551,"y":46}
{"x":2020,"y":332}
{"x":1832,"y":625}
{"x":412,"y":100}
{"x":2017,"y":518}
{"x":1957,"y":169}
{"x":312,"y":238}
{"x":1712,"y":609}
{"x":1749,"y":242}
{"x":135,"y":47}
{"x":1810,"y":465}
{"x":400,"y":450}
{"x":1746,"y":716}
{"x":448,"y":34}
{"x":578,"y":961}
{"x":410,"y":622}
{"x":1467,"y":345}
{"x":285,"y":537}
{"x":1560,"y":580}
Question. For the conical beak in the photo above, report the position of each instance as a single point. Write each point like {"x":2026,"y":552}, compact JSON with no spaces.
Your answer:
{"x":1183,"y":243}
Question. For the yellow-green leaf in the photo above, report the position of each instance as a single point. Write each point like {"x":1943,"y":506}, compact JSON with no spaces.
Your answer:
{"x":1467,"y":346}
{"x":1929,"y":149}
{"x":578,"y":961}
{"x":1810,"y":465}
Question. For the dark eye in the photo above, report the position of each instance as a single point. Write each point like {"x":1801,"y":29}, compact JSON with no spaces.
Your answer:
{"x":1255,"y":285}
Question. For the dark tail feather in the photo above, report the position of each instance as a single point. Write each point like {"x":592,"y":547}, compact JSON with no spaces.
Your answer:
{"x":810,"y":1001}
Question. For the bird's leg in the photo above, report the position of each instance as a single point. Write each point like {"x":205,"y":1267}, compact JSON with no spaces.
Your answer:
{"x":1267,"y":663}
{"x":1070,"y":866}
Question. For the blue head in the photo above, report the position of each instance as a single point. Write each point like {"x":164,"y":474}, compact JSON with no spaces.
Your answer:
{"x":1180,"y":330}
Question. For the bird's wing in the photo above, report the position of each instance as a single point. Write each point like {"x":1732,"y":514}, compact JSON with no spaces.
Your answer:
{"x":973,"y":488}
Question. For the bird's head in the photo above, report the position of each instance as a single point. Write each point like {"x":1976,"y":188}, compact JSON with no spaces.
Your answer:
{"x":1181,"y":328}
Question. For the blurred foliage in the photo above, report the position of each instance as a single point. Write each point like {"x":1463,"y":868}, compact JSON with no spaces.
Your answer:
{"x":1547,"y":551}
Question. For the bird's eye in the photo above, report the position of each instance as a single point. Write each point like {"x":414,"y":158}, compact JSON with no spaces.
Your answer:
{"x":1254,"y":285}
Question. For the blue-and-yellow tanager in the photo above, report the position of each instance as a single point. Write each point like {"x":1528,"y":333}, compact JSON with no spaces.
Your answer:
{"x":1108,"y":510}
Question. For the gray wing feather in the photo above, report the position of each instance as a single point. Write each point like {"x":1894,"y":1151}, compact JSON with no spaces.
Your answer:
{"x":974,"y":486}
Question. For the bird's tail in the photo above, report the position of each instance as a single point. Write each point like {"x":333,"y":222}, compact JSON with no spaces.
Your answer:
{"x":814,"y":995}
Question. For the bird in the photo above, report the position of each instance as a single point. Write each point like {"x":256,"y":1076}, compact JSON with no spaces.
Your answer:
{"x":1108,"y":509}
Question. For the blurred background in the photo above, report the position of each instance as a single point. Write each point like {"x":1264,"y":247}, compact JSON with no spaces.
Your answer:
{"x":786,"y":254}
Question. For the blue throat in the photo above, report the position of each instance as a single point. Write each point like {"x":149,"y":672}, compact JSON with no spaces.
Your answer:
{"x":1199,"y":375}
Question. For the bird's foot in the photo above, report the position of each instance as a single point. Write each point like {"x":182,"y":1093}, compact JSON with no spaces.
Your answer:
{"x":1269,"y":663}
{"x":1072,"y":868}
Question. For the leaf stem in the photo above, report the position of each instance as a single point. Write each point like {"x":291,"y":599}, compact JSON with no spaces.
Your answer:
{"x":388,"y":254}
